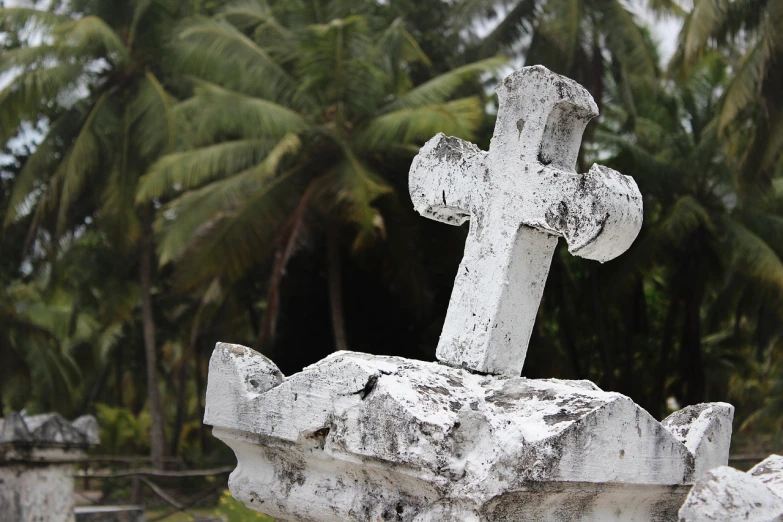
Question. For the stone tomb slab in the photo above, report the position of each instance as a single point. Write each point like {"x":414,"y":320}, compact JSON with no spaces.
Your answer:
{"x":362,"y":437}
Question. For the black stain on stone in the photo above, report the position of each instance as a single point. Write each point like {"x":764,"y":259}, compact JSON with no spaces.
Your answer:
{"x":543,"y":159}
{"x":369,"y":387}
{"x":320,"y":437}
{"x":562,"y":416}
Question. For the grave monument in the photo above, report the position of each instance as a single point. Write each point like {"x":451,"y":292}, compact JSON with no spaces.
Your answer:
{"x":37,"y":453}
{"x":369,"y":438}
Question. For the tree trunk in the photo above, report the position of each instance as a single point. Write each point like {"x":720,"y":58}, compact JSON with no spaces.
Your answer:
{"x":118,"y":378}
{"x":202,"y":430}
{"x":691,"y":361}
{"x":335,"y":288}
{"x":146,"y":250}
{"x":89,"y":405}
{"x":287,"y":245}
{"x":667,"y":343}
{"x":603,"y":336}
{"x":269,"y":320}
{"x":180,"y":418}
{"x":566,"y":316}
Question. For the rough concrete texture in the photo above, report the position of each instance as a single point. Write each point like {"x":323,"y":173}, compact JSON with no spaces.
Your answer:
{"x":46,"y":431}
{"x":705,"y":429}
{"x":36,"y":452}
{"x":726,"y":494}
{"x":360,"y":437}
{"x":770,"y":472}
{"x":519,"y":197}
{"x":36,"y":492}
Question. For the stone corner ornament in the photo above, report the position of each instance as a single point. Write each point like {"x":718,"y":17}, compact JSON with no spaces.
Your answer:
{"x":361,"y":438}
{"x":519,"y":197}
{"x":724,"y":493}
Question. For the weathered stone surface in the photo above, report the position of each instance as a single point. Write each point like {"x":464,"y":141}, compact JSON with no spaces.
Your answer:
{"x":726,"y":494}
{"x":519,"y":197}
{"x":87,"y":425}
{"x":46,"y":438}
{"x":361,"y":437}
{"x":36,"y":452}
{"x":770,"y":472}
{"x":705,"y":429}
{"x":32,"y":492}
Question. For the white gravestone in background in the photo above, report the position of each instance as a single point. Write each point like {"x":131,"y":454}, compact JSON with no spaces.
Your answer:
{"x":370,"y":438}
{"x":36,"y":465}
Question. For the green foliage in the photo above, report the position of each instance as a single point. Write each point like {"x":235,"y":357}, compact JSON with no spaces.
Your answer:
{"x":261,"y":150}
{"x":121,"y":431}
{"x":235,"y":511}
{"x":334,"y":100}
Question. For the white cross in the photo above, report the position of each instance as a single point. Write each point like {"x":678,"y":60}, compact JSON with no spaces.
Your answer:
{"x":519,"y":197}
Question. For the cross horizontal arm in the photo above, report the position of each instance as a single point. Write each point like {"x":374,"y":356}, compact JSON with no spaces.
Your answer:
{"x":599,"y":213}
{"x":445,"y":177}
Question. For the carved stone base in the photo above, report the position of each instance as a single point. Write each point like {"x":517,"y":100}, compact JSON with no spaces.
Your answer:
{"x":362,"y":437}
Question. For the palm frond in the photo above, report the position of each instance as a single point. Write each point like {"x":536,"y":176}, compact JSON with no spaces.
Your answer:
{"x":751,"y":256}
{"x":466,"y":12}
{"x":117,"y":213}
{"x":15,"y":19}
{"x":515,"y":24}
{"x":686,"y":216}
{"x":349,"y":191}
{"x":236,"y":238}
{"x":83,"y":158}
{"x":27,"y":57}
{"x":25,"y":96}
{"x":195,"y":209}
{"x":215,"y":112}
{"x":667,"y":8}
{"x":90,"y":35}
{"x":335,"y":64}
{"x":150,"y":105}
{"x":628,"y":43}
{"x":440,"y":88}
{"x":254,"y":13}
{"x":745,"y":84}
{"x":138,"y":12}
{"x":396,"y":40}
{"x":191,"y":169}
{"x":460,"y":118}
{"x":700,"y":25}
{"x":38,"y":167}
{"x":216,"y":50}
{"x":561,"y":23}
{"x":767,"y":226}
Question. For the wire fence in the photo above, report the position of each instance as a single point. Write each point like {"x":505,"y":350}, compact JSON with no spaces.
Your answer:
{"x":143,"y":480}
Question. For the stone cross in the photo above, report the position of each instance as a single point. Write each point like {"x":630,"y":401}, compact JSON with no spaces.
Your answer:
{"x":519,"y":197}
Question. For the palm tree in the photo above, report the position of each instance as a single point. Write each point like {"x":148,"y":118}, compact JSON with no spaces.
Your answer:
{"x":751,"y":118}
{"x":588,"y":41}
{"x":29,"y":348}
{"x":294,"y":115}
{"x":92,"y":72}
{"x":715,"y":246}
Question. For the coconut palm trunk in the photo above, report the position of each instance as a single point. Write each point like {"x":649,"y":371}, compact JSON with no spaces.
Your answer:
{"x":335,"y":288}
{"x":146,"y":251}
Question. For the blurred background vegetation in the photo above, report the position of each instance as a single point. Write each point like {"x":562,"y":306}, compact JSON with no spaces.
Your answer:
{"x":181,"y":172}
